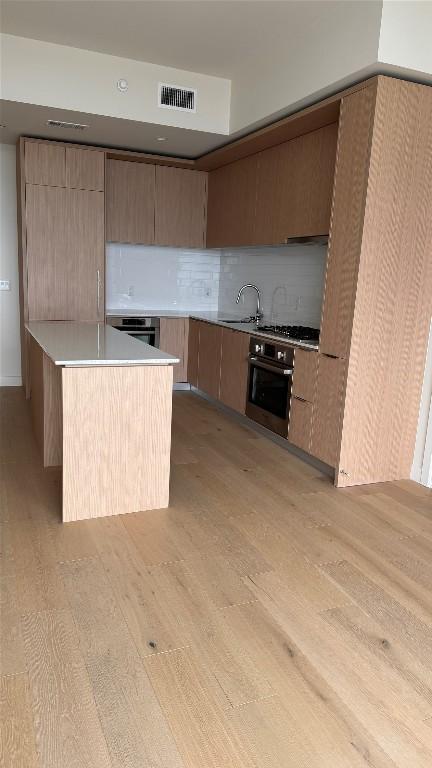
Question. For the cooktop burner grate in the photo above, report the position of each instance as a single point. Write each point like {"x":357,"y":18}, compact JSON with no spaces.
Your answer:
{"x":297,"y":332}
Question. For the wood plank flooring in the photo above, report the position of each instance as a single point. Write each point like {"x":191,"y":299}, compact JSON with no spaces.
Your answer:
{"x":265,"y":620}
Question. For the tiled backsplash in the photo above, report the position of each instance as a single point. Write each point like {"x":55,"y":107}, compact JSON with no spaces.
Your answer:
{"x":147,"y":277}
{"x":290,"y":279}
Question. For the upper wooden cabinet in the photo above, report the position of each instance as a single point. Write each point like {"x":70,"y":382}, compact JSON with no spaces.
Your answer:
{"x":85,"y":169}
{"x":231,"y":208}
{"x":130,"y":202}
{"x":294,"y":190}
{"x":181,"y":207}
{"x":45,"y":164}
{"x":234,"y":369}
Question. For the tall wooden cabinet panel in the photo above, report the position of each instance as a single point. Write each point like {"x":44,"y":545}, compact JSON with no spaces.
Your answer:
{"x":45,"y":164}
{"x":130,"y":202}
{"x":65,"y":253}
{"x":209,"y":360}
{"x":231,"y":209}
{"x":295,"y":185}
{"x":174,"y":340}
{"x":234,"y":369}
{"x":327,"y":410}
{"x":85,"y":169}
{"x":193,"y":352}
{"x":181,"y":206}
{"x":351,"y":181}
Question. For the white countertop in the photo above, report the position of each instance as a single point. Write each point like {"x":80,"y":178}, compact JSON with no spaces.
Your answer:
{"x":90,"y":344}
{"x":220,"y":318}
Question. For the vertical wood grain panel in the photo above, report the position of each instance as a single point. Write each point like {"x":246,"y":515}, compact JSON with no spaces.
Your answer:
{"x":349,"y":199}
{"x":85,"y":169}
{"x":231,"y":209}
{"x":36,"y":391}
{"x":305,"y":369}
{"x":45,"y":164}
{"x":394,"y":293}
{"x":116,"y":440}
{"x":327,"y":410}
{"x":181,"y":207}
{"x":209,"y":362}
{"x":173,"y":339}
{"x":52,"y":413}
{"x":234,"y":369}
{"x":130,"y":202}
{"x":300,"y":424}
{"x":193,"y":352}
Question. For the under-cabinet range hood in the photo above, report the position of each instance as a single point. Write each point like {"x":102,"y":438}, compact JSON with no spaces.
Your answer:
{"x":307,"y":240}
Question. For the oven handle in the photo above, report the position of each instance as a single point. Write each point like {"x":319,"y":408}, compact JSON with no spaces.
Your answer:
{"x":272,"y":368}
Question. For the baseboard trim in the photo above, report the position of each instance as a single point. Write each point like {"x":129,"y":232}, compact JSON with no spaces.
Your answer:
{"x":10,"y":381}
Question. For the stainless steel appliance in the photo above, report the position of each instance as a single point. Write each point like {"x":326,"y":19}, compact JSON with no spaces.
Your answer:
{"x":269,"y":384}
{"x":302,"y":333}
{"x":142,"y":328}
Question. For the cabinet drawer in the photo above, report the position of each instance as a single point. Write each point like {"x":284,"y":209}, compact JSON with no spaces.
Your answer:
{"x":305,"y":369}
{"x":299,"y":432}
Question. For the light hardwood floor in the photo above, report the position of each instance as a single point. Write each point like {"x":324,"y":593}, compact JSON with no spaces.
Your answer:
{"x":266,"y":620}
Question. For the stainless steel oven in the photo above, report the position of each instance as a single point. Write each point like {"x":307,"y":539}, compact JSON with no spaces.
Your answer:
{"x":271,"y":368}
{"x":142,"y":328}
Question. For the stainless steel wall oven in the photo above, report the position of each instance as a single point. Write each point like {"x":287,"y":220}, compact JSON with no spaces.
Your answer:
{"x":269,"y":384}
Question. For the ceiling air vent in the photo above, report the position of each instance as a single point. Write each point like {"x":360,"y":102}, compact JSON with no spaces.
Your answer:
{"x":64,"y":124}
{"x":173,"y":97}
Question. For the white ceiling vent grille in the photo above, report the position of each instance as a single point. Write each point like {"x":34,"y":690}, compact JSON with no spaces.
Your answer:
{"x":64,"y":124}
{"x":173,"y":97}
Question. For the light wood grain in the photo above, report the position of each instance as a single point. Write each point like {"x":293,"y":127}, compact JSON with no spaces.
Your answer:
{"x":193,"y":351}
{"x":210,"y":341}
{"x":234,"y":369}
{"x":300,"y":424}
{"x":174,"y":340}
{"x":180,"y":207}
{"x":17,"y":741}
{"x":231,"y":208}
{"x":45,"y":405}
{"x":36,"y":378}
{"x":45,"y":163}
{"x":130,"y":202}
{"x":85,"y":169}
{"x":327,"y":410}
{"x":104,"y":408}
{"x":305,"y":371}
{"x":294,"y":189}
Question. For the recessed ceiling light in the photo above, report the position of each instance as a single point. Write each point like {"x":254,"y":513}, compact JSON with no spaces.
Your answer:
{"x":161,"y":138}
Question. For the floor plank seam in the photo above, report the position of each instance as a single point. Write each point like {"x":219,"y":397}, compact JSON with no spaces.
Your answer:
{"x":162,"y":653}
{"x":254,"y":701}
{"x":236,"y":605}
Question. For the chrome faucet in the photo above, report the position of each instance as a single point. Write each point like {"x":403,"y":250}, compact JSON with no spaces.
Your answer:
{"x":257,"y":317}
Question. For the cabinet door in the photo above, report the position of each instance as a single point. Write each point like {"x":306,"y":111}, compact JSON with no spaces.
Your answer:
{"x":305,"y":368}
{"x":130,"y":202}
{"x":234,"y":369}
{"x":181,"y":207}
{"x":45,"y":164}
{"x":173,"y":339}
{"x":231,"y":208}
{"x":85,"y":169}
{"x":65,"y":253}
{"x":209,"y":361}
{"x":295,"y":184}
{"x":351,"y":182}
{"x":327,"y":410}
{"x":193,"y":352}
{"x":300,"y":423}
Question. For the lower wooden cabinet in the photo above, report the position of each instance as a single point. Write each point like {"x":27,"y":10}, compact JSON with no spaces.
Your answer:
{"x":305,"y":368}
{"x":193,"y":352}
{"x":327,"y":409}
{"x":234,"y":369}
{"x":174,"y":340}
{"x":300,"y":424}
{"x":209,"y":358}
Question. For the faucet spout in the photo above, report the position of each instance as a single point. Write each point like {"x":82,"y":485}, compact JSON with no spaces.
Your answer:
{"x":257,"y":317}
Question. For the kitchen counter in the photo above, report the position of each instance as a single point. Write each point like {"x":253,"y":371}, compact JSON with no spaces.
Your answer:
{"x":80,"y":344}
{"x":219,"y":318}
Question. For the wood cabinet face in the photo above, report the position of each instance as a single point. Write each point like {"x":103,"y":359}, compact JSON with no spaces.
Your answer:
{"x":65,"y":251}
{"x":351,"y":183}
{"x":327,"y":410}
{"x":181,"y":207}
{"x":304,"y":379}
{"x":173,"y":339}
{"x":45,"y":164}
{"x":209,"y":361}
{"x":234,"y":369}
{"x":300,"y":423}
{"x":85,"y":169}
{"x":193,"y":352}
{"x":232,"y":192}
{"x":130,"y":202}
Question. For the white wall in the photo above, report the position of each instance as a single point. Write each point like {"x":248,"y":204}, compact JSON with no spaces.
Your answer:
{"x":10,"y":360}
{"x":52,"y":75}
{"x":154,"y":278}
{"x":406,"y":35}
{"x":290,"y":279}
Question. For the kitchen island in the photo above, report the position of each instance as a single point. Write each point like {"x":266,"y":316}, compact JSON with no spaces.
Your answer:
{"x":101,"y":406}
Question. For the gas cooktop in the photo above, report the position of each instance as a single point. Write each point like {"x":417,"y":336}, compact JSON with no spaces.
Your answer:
{"x":295,"y":332}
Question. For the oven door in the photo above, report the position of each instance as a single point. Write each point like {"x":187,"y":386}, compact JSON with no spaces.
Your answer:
{"x":269,"y":394}
{"x":148,"y":335}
